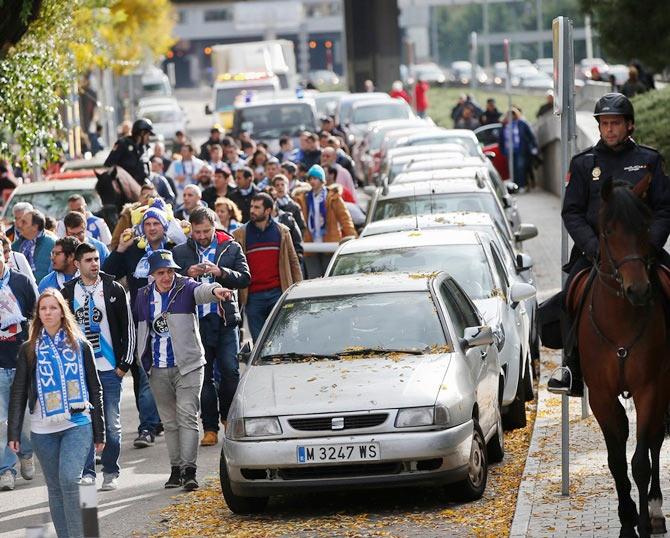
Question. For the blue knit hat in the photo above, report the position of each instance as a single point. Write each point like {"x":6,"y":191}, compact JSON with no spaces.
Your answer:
{"x":154,"y":213}
{"x":316,"y":171}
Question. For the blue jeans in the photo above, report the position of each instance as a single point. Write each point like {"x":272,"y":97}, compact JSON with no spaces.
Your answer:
{"x":62,"y":456}
{"x":223,"y":358}
{"x":146,"y":405}
{"x":258,"y":308}
{"x":111,"y":401}
{"x":7,"y":457}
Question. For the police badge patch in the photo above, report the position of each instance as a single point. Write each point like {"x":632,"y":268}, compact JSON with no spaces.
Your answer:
{"x":596,"y":173}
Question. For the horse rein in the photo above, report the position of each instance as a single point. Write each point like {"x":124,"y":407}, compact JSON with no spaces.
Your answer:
{"x":622,"y":352}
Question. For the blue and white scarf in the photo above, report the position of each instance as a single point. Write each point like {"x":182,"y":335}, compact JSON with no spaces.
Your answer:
{"x":207,"y":254}
{"x":316,"y":215}
{"x":92,"y":226}
{"x":10,"y":311}
{"x":61,"y":380}
{"x":142,"y":268}
{"x":28,"y":249}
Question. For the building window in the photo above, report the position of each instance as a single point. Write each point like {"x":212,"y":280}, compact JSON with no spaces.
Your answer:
{"x":217,"y":15}
{"x":182,"y":16}
{"x":323,"y":9}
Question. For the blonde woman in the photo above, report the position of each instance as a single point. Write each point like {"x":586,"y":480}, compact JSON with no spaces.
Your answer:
{"x":229,"y":214}
{"x":65,"y":403}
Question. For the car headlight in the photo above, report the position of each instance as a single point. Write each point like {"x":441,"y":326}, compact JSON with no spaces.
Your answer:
{"x":253,"y":427}
{"x":437,"y":415}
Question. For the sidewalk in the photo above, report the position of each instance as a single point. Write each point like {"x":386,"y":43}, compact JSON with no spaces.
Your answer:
{"x":591,"y":507}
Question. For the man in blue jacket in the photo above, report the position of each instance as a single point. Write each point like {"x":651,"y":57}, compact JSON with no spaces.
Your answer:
{"x":34,"y":244}
{"x":214,"y":256}
{"x":17,"y":302}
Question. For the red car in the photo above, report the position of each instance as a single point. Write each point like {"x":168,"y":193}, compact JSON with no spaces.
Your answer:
{"x":489,"y":137}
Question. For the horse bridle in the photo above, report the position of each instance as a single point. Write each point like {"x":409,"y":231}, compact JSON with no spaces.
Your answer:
{"x":622,"y":352}
{"x":647,"y":261}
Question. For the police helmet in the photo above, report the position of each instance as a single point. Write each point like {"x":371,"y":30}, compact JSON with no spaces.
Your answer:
{"x":143,"y":124}
{"x":614,"y":103}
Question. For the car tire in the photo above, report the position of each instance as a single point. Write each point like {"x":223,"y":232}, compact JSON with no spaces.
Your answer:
{"x":236,"y":503}
{"x":472,"y":487}
{"x":515,"y":417}
{"x":496,"y":447}
{"x":528,"y":382}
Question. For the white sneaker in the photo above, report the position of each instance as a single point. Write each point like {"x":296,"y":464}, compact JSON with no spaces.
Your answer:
{"x":27,"y":468}
{"x":87,"y":479}
{"x":109,"y":483}
{"x":7,"y":481}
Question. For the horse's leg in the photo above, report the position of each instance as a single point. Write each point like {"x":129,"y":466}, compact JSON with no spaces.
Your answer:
{"x":649,"y":428}
{"x":655,"y":495}
{"x":614,"y":424}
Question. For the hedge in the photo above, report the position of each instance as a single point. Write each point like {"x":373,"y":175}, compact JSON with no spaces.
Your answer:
{"x":651,"y":120}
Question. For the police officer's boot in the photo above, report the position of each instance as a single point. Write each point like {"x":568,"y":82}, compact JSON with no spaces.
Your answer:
{"x":568,"y":378}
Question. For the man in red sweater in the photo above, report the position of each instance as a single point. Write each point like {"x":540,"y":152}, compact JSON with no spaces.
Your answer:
{"x":421,"y":97}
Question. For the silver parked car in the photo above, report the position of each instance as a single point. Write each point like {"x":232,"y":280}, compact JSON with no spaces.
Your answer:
{"x":366,"y":381}
{"x":476,"y":263}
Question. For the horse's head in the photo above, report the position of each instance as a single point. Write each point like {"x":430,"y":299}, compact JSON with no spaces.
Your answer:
{"x":624,"y":237}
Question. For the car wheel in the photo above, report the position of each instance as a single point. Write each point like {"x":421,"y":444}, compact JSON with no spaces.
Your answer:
{"x":515,"y":417}
{"x":236,"y":503}
{"x":473,"y":486}
{"x":496,"y":446}
{"x":528,"y":381}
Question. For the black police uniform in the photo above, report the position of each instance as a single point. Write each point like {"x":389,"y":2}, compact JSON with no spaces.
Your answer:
{"x":582,"y":197}
{"x":132,"y":157}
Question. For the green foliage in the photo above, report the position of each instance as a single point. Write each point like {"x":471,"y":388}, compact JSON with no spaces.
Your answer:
{"x":455,"y":23}
{"x":633,"y":29}
{"x":651,"y":123}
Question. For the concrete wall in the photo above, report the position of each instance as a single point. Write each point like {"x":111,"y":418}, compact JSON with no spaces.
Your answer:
{"x":548,"y":131}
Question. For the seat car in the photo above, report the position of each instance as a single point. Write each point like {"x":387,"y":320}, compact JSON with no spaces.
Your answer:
{"x":366,"y":381}
{"x":519,"y":264}
{"x":436,"y":136}
{"x":50,"y":197}
{"x":475,"y":262}
{"x":405,"y":163}
{"x":268,"y":120}
{"x":346,"y":104}
{"x":326,"y":102}
{"x":366,"y":112}
{"x":428,"y":72}
{"x":433,"y":197}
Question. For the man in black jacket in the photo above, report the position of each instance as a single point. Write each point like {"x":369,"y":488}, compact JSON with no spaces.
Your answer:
{"x":132,"y":152}
{"x":616,"y":156}
{"x":246,"y":190}
{"x":214,"y":256}
{"x":102,"y":310}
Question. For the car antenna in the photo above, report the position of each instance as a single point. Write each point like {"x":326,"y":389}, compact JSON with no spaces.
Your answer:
{"x":416,"y":212}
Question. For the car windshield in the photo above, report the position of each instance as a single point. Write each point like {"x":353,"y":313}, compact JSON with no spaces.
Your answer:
{"x":155,"y":88}
{"x":273,"y":121}
{"x":332,"y":325}
{"x":489,"y":136}
{"x":382,"y":111}
{"x":225,"y":97}
{"x":54,"y":203}
{"x":439,"y":203}
{"x":466,"y":263}
{"x":165,"y":115}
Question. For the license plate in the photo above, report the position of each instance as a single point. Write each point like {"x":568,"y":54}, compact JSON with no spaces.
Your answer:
{"x":338,"y":453}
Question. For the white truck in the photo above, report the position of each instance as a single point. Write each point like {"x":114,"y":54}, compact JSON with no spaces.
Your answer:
{"x":244,"y":70}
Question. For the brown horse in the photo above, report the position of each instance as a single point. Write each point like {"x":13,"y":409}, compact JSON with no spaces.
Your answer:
{"x":623,"y":341}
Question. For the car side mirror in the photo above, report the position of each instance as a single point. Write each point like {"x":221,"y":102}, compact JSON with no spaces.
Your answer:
{"x":523,"y":262}
{"x":208,"y":110}
{"x":512,"y":188}
{"x":520,"y":291}
{"x":477,"y":336}
{"x":525,"y":232}
{"x":385,"y":185}
{"x":245,"y":353}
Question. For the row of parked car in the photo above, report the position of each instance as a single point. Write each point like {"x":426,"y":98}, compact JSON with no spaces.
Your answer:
{"x":409,"y":360}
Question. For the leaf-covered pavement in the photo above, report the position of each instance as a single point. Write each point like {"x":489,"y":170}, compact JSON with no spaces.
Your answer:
{"x":392,"y":513}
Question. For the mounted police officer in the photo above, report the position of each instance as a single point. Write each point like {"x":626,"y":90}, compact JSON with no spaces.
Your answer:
{"x":132,"y":152}
{"x":618,"y":156}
